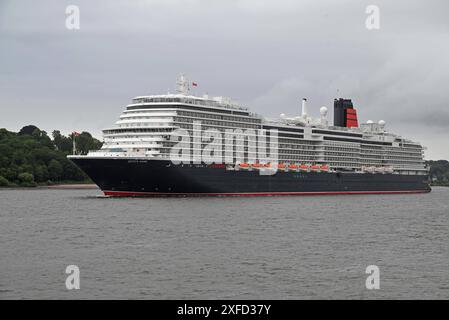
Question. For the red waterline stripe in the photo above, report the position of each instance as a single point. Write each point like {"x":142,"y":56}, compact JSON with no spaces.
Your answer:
{"x":253,"y":194}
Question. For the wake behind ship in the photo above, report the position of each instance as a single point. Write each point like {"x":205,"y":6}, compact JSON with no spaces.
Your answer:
{"x":181,"y":144}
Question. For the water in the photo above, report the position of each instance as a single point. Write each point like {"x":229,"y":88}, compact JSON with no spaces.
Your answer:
{"x":223,"y":248}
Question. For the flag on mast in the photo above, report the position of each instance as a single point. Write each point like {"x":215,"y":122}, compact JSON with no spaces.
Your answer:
{"x":194,"y":84}
{"x":74,"y":134}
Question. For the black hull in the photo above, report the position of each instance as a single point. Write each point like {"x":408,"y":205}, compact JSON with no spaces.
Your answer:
{"x":133,"y":177}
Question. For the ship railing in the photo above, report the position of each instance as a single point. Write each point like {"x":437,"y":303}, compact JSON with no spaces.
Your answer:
{"x":116,"y":153}
{"x":220,"y":102}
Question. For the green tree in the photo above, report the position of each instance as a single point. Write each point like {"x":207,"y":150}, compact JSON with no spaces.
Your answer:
{"x":29,"y":130}
{"x":62,"y":142}
{"x":5,"y":134}
{"x":3,"y":182}
{"x":85,"y":142}
{"x":10,"y":172}
{"x":55,"y":170}
{"x":31,"y":151}
{"x":41,"y":173}
{"x":26,"y":177}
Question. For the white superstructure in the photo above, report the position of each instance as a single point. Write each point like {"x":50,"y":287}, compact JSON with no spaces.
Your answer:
{"x":144,"y":128}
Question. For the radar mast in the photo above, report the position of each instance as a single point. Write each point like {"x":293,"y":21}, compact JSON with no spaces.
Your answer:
{"x":182,"y":85}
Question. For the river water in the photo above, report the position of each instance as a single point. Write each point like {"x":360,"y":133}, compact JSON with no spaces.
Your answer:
{"x":306,"y":247}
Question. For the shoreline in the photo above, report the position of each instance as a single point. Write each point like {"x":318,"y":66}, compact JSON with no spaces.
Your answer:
{"x":71,"y":186}
{"x":62,"y":186}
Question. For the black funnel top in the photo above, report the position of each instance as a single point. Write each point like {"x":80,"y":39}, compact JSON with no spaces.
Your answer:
{"x":340,"y":106}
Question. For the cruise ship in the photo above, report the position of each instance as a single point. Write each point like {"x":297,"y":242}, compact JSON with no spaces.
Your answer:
{"x":182,"y":144}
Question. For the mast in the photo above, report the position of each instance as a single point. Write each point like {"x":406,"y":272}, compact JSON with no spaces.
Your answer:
{"x":182,"y":85}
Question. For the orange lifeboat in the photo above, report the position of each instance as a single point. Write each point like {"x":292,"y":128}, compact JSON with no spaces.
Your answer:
{"x":257,"y":165}
{"x":304,"y":167}
{"x":315,"y":167}
{"x":324,"y":168}
{"x":267,"y":165}
{"x":244,"y":165}
{"x":293,"y":166}
{"x":281,"y":166}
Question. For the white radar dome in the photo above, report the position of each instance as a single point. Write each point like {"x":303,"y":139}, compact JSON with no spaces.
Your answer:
{"x":370,"y":122}
{"x":323,"y":111}
{"x":382,"y":122}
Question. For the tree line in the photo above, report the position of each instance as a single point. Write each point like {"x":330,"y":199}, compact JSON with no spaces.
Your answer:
{"x":30,"y":157}
{"x":439,"y":172}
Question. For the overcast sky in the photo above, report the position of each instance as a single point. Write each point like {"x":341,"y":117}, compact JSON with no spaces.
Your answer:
{"x":265,"y":54}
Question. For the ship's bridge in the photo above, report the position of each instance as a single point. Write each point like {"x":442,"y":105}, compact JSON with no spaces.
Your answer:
{"x":222,"y":102}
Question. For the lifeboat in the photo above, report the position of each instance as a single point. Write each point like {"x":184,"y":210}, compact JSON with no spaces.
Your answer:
{"x":324,"y":168}
{"x":257,"y":165}
{"x":281,"y":166}
{"x":244,"y":165}
{"x":389,"y":169}
{"x":315,"y":167}
{"x":293,"y":166}
{"x":368,"y":169}
{"x":267,"y":165}
{"x":380,"y":169}
{"x":304,"y":167}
